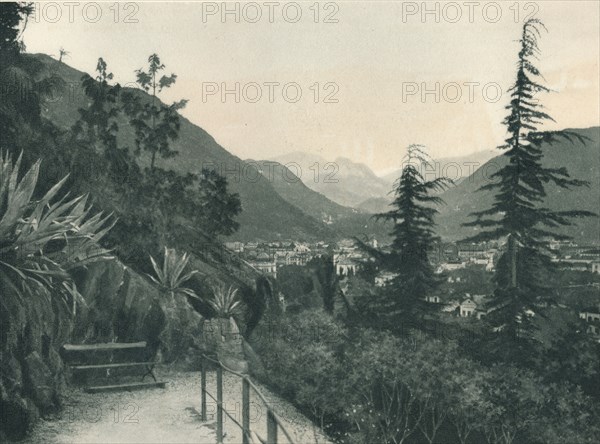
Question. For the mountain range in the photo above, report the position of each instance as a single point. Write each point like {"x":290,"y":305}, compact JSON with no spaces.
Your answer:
{"x":582,"y":161}
{"x":271,"y":209}
{"x":343,"y":181}
{"x":303,"y":196}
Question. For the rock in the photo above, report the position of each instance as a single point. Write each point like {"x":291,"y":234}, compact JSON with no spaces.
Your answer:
{"x":40,"y":383}
{"x":223,"y":338}
{"x":123,"y":306}
{"x":255,"y":364}
{"x":10,"y":374}
{"x":18,"y":417}
{"x":235,"y":364}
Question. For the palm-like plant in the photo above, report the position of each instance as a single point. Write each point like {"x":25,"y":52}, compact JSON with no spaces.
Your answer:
{"x":170,"y":277}
{"x":40,"y":241}
{"x":225,"y":301}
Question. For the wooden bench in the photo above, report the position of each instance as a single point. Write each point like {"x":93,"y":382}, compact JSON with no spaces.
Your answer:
{"x":107,"y":353}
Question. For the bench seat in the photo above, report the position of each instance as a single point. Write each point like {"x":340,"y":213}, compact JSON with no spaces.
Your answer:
{"x":121,"y":364}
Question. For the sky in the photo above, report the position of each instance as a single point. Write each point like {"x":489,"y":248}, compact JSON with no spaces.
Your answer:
{"x":358,"y":79}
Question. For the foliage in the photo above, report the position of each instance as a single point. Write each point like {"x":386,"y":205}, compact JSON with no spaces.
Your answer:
{"x":22,"y":91}
{"x":170,"y":277}
{"x":14,"y":14}
{"x":257,"y":302}
{"x":40,"y":241}
{"x":301,"y":356}
{"x":155,"y":207}
{"x":361,"y":298}
{"x":155,"y":124}
{"x":574,"y":357}
{"x":225,"y":301}
{"x":217,"y":207}
{"x":98,"y":123}
{"x":325,"y":280}
{"x":296,"y":284}
{"x":524,"y":272}
{"x":413,"y":237}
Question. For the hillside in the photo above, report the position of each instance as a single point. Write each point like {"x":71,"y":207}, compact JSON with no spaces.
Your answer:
{"x":457,"y":168}
{"x":582,"y":162}
{"x":291,"y":188}
{"x":343,"y":220}
{"x":265,"y":214}
{"x":343,"y":181}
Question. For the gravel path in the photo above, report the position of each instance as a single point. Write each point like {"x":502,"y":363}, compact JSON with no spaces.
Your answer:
{"x":170,"y":415}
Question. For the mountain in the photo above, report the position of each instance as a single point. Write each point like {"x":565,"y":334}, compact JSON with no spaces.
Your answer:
{"x":343,"y":181}
{"x":375,"y":205}
{"x":291,"y":188}
{"x":582,"y":161}
{"x":456,"y":168}
{"x":265,"y":214}
{"x":344,"y":220}
{"x":280,"y":211}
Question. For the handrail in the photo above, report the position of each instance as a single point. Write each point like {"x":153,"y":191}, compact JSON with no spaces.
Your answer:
{"x":273,"y":421}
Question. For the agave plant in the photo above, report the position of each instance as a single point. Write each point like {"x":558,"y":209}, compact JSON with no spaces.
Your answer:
{"x":40,"y":241}
{"x":225,"y":301}
{"x":170,"y":276}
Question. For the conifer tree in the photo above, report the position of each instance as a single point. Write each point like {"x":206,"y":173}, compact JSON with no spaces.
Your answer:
{"x":517,"y":213}
{"x":413,"y":212}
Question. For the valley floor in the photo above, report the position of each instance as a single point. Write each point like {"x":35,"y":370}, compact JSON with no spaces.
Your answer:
{"x":171,"y":415}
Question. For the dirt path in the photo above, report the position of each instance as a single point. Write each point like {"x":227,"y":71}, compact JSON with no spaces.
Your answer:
{"x":171,"y":415}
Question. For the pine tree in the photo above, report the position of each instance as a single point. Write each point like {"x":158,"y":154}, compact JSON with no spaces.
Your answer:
{"x":403,"y":299}
{"x":518,"y":213}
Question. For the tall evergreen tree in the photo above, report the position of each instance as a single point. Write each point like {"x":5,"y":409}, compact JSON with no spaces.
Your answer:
{"x":403,"y":299}
{"x":518,"y":213}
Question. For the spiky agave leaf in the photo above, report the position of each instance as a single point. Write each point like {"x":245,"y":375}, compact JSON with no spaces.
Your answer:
{"x":225,"y":301}
{"x":41,"y":240}
{"x":170,"y":276}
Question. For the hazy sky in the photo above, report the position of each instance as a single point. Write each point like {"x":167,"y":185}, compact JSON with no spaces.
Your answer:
{"x":366,"y":64}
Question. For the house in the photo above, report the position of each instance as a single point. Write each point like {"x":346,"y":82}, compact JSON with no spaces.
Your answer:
{"x":345,"y":266}
{"x":467,"y":308}
{"x":265,"y":264}
{"x":237,"y":247}
{"x":297,"y":258}
{"x":451,"y":265}
{"x":472,"y":306}
{"x":592,"y":317}
{"x":383,"y":278}
{"x":472,"y":251}
{"x":434,"y":299}
{"x":301,"y":248}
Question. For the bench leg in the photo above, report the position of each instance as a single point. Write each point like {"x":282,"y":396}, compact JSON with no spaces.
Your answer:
{"x":149,"y":372}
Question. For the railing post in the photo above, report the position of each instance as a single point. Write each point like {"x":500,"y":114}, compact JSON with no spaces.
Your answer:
{"x":245,"y":411}
{"x":219,"y":404}
{"x":203,"y":389}
{"x":271,"y":427}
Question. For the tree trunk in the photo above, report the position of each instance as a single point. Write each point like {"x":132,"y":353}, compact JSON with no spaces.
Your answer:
{"x":512,"y":251}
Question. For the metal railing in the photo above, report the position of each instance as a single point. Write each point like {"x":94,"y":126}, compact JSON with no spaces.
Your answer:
{"x":274,"y":424}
